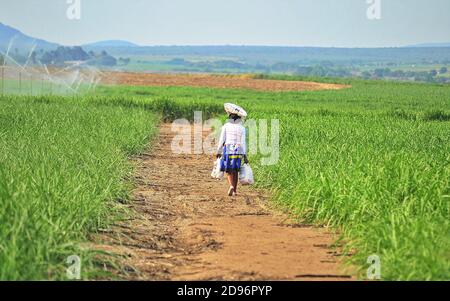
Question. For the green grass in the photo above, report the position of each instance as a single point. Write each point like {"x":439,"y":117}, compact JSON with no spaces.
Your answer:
{"x":39,"y":87}
{"x":371,"y":161}
{"x":63,"y":167}
{"x":383,"y":181}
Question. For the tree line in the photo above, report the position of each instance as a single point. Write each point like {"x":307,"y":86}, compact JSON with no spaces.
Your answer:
{"x":63,"y":55}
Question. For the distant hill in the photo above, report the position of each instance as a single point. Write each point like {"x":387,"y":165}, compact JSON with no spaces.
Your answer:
{"x":21,"y":41}
{"x":429,"y":45}
{"x":232,"y":57}
{"x":110,"y":43}
{"x":305,"y":56}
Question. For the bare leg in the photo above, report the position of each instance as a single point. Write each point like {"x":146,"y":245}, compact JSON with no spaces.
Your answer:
{"x":230,"y":181}
{"x":235,"y":180}
{"x":230,"y":178}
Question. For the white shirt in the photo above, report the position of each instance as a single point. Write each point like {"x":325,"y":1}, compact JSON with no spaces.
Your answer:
{"x":233,"y":133}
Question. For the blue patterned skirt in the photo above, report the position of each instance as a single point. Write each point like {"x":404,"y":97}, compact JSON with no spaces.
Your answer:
{"x":231,"y":159}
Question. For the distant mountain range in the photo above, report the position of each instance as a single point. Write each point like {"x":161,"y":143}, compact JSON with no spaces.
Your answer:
{"x":15,"y":39}
{"x":21,"y":41}
{"x":253,"y":55}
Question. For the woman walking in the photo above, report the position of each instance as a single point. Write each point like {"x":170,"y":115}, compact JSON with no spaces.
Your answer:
{"x":232,"y":147}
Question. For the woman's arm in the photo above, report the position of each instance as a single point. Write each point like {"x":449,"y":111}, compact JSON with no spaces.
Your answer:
{"x":221,"y":142}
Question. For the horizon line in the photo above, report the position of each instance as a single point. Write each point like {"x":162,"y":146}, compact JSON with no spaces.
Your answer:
{"x":138,"y":45}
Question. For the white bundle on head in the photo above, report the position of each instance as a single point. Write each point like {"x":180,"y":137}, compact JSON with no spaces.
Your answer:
{"x":235,"y":109}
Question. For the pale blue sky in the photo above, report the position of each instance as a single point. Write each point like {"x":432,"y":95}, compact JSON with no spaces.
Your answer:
{"x":338,"y":23}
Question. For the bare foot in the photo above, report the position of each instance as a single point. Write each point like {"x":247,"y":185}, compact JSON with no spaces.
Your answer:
{"x":231,"y":191}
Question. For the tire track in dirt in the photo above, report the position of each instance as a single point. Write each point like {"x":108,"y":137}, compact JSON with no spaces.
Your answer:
{"x":186,"y":228}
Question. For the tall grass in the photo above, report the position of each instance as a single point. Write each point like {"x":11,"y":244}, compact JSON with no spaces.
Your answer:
{"x":63,"y":166}
{"x":383,"y":182}
{"x":372,"y":161}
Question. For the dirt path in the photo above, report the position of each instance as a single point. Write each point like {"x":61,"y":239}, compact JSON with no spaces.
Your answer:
{"x":214,"y":81}
{"x":187,"y":229}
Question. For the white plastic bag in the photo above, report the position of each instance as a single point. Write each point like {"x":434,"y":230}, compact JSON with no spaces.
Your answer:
{"x":246,"y":175}
{"x":216,"y":173}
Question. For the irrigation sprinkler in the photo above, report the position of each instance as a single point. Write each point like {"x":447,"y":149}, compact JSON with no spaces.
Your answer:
{"x":68,"y":80}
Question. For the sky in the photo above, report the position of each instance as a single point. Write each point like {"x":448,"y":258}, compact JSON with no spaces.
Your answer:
{"x":324,"y":23}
